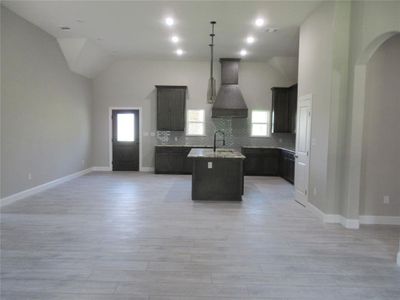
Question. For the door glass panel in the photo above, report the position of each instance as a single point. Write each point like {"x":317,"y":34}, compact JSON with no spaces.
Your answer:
{"x":126,"y":127}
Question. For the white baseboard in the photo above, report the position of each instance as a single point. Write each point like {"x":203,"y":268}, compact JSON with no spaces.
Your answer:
{"x":101,"y":169}
{"x":334,"y":218}
{"x":382,"y":220}
{"x":42,"y":187}
{"x":108,"y":169}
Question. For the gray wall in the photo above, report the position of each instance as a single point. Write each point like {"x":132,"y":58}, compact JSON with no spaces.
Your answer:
{"x":381,"y":141}
{"x":131,"y":83}
{"x":45,"y":109}
{"x":315,"y":75}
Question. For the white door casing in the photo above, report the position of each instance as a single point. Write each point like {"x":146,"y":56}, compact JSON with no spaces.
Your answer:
{"x":302,"y":157}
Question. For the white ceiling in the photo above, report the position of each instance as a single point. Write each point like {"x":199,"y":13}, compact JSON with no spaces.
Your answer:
{"x":136,"y":29}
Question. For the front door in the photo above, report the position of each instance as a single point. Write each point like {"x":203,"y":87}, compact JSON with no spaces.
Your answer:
{"x":125,"y":140}
{"x":302,"y":157}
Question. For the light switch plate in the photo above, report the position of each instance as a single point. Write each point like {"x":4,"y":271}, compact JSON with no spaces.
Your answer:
{"x":386,"y":199}
{"x":209,"y":164}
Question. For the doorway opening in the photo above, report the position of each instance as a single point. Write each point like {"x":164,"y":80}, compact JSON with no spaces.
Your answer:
{"x":125,"y":139}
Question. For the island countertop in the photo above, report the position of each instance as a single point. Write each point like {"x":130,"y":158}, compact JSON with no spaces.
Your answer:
{"x":220,"y":153}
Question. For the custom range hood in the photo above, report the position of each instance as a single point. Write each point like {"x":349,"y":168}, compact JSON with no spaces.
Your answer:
{"x":229,"y":102}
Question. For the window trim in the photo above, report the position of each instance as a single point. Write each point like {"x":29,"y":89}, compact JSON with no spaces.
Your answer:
{"x":203,"y":122}
{"x":268,"y":124}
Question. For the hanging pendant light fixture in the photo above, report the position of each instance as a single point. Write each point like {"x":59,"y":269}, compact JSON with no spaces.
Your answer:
{"x":211,"y":91}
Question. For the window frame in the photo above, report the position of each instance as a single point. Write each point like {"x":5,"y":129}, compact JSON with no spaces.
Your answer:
{"x":268,"y":124}
{"x":195,"y":122}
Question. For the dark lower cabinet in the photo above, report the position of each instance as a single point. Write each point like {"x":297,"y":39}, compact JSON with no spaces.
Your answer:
{"x":173,"y":160}
{"x":261,"y":161}
{"x":269,"y":162}
{"x":287,"y":165}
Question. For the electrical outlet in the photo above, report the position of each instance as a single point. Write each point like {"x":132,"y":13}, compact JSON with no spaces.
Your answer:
{"x":315,"y":191}
{"x":29,"y":176}
{"x":152,"y":133}
{"x":386,"y":199}
{"x":176,"y":139}
{"x":209,"y":165}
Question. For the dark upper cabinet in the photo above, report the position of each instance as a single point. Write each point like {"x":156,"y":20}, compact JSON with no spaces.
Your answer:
{"x":171,"y":103}
{"x":284,"y":107}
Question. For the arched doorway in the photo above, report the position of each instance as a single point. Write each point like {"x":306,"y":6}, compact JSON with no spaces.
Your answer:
{"x":356,"y":126}
{"x":359,"y":112}
{"x":380,"y":183}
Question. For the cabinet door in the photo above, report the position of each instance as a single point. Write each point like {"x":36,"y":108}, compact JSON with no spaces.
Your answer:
{"x":252,"y":164}
{"x":163,"y":109}
{"x":177,"y":110}
{"x":171,"y":102}
{"x":270,"y":162}
{"x":290,"y":176}
{"x":280,"y":110}
{"x":293,"y":108}
{"x":162,"y":163}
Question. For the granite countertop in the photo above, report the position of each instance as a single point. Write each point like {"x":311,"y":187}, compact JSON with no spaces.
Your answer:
{"x":197,"y":146}
{"x":220,"y":153}
{"x":271,"y":147}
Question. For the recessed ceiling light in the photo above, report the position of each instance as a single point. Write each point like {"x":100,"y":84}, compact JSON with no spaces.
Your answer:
{"x":65,"y":28}
{"x":243,"y":52}
{"x":175,"y":39}
{"x":250,"y":39}
{"x":169,"y":21}
{"x":271,"y":29}
{"x":259,"y":22}
{"x":179,"y":52}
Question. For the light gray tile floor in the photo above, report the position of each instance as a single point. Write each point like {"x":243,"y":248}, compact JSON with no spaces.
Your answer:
{"x":140,"y":236}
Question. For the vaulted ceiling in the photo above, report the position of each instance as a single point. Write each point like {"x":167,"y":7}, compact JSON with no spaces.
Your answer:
{"x":137,"y":29}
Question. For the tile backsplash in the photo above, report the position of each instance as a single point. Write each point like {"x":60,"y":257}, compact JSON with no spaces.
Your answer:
{"x":237,"y":134}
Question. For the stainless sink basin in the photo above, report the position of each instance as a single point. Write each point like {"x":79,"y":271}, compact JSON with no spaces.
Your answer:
{"x":225,"y":150}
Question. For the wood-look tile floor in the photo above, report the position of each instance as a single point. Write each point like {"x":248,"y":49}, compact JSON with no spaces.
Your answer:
{"x":140,"y":236}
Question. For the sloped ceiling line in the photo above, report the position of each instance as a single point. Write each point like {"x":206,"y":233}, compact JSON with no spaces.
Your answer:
{"x":84,"y":57}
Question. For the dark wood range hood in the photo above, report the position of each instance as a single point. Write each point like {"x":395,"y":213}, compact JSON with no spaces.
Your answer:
{"x":229,"y":102}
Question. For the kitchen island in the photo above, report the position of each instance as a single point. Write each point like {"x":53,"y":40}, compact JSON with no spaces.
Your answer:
{"x":217,"y":175}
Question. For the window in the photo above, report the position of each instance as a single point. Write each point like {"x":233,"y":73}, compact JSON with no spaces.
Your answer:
{"x":195,"y":122}
{"x":125,"y":127}
{"x":260,"y":123}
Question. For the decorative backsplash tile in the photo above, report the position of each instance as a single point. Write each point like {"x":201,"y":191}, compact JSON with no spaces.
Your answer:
{"x":237,"y":134}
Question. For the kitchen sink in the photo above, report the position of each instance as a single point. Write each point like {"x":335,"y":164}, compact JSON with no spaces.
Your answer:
{"x":225,"y":150}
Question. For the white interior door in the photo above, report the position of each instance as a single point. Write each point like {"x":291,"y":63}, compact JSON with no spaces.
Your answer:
{"x":303,"y":136}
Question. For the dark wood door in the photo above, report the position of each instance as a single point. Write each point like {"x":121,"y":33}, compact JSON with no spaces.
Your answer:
{"x":125,"y":140}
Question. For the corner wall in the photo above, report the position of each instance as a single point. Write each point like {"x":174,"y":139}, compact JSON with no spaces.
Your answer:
{"x":45,"y":109}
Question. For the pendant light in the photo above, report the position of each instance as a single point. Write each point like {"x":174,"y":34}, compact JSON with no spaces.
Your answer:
{"x":211,"y":91}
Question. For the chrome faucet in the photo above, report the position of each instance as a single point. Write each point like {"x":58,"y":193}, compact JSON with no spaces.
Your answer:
{"x":215,"y":138}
